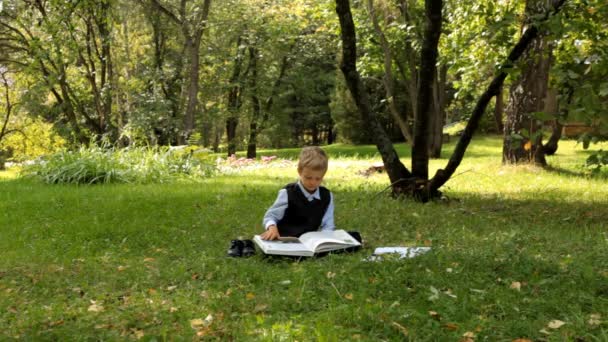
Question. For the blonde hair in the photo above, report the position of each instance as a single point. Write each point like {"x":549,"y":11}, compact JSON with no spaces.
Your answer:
{"x":314,"y":158}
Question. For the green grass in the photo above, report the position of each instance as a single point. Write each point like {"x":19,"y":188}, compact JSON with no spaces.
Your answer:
{"x":123,"y":261}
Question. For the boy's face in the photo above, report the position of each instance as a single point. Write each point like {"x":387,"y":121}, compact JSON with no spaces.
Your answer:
{"x":311,"y":179}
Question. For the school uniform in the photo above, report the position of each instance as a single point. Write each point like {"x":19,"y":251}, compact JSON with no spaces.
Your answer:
{"x":296,"y":211}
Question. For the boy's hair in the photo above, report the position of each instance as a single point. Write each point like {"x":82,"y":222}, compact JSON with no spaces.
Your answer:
{"x":314,"y":158}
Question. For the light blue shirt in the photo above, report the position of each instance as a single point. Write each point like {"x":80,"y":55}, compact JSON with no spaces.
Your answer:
{"x":276,"y":212}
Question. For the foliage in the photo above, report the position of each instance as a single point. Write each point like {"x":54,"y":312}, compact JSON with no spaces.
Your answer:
{"x":130,"y":261}
{"x":96,"y":165}
{"x":35,"y":139}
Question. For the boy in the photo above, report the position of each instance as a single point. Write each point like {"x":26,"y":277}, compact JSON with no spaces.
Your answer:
{"x":303,"y":206}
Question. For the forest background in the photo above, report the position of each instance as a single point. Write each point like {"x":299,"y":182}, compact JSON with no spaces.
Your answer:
{"x":235,"y":75}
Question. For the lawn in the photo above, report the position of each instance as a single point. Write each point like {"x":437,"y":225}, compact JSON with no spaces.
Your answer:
{"x":516,"y":252}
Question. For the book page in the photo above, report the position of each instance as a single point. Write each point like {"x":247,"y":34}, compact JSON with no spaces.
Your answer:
{"x":329,"y":240}
{"x":290,"y":246}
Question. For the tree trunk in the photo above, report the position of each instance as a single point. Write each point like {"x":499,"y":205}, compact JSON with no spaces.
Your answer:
{"x":438,"y":113}
{"x":234,"y":98}
{"x":428,"y":70}
{"x":523,"y":132}
{"x":255,"y":103}
{"x":396,"y":171}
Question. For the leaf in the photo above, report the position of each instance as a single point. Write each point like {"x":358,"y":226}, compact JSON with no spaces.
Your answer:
{"x":521,"y":340}
{"x":401,"y":328}
{"x":555,"y":324}
{"x":451,"y":326}
{"x":250,"y":296}
{"x":528,"y":145}
{"x":435,"y":315}
{"x":196,"y":323}
{"x":260,"y":308}
{"x":348,"y":296}
{"x":572,"y":74}
{"x":94,"y":307}
{"x":121,"y":268}
{"x":434,"y":295}
{"x":594,"y":319}
{"x":469,"y":334}
{"x":515,"y":286}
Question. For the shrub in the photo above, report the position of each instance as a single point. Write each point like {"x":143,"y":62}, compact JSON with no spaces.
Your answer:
{"x":110,"y":165}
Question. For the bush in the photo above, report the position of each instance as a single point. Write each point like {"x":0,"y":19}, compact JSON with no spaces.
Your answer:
{"x":110,"y":165}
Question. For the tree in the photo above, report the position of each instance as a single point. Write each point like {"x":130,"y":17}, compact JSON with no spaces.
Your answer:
{"x":417,"y":183}
{"x":8,"y":106}
{"x":191,"y":17}
{"x":523,"y":136}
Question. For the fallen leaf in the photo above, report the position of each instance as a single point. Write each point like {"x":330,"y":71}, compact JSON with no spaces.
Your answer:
{"x":148,"y":259}
{"x":173,"y":309}
{"x":138,"y":333}
{"x":469,"y":334}
{"x":544,"y":332}
{"x":195,"y":276}
{"x":152,"y":291}
{"x":434,"y":295}
{"x":348,"y":296}
{"x":451,"y":326}
{"x":56,"y":323}
{"x":260,"y":308}
{"x":121,"y":268}
{"x":197,"y":323}
{"x":171,"y":288}
{"x":594,"y":319}
{"x":330,"y":275}
{"x":94,"y":307}
{"x":515,"y":285}
{"x":401,"y":328}
{"x":555,"y":324}
{"x":285,"y":282}
{"x":521,"y":340}
{"x":466,"y":339}
{"x":250,"y":296}
{"x":528,"y":145}
{"x":435,"y":315}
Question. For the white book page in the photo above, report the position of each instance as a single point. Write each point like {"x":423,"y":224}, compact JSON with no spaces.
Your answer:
{"x":289,"y":247}
{"x":338,"y":238}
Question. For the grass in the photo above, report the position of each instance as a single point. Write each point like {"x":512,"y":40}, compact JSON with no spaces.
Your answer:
{"x":514,"y":250}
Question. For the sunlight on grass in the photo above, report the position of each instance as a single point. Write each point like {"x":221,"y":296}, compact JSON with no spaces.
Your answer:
{"x":513,"y":249}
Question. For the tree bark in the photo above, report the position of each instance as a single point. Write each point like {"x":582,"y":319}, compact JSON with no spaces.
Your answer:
{"x":255,"y":103}
{"x":438,"y":113}
{"x":523,"y":135}
{"x":428,"y":70}
{"x":234,"y":98}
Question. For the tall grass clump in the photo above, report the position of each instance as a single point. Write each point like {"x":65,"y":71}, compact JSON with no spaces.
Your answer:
{"x":94,"y":165}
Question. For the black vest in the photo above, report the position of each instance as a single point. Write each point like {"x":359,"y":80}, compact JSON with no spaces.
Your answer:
{"x":302,"y":215}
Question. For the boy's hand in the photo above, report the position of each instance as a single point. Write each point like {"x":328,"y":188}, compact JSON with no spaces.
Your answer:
{"x":272,"y":233}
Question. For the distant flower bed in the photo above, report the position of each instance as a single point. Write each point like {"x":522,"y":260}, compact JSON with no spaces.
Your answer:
{"x":111,"y":165}
{"x":233,"y":164}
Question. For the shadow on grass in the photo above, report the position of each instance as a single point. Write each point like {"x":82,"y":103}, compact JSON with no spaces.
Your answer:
{"x":600,"y":175}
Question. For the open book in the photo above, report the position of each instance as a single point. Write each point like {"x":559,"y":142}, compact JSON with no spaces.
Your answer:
{"x":308,"y":244}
